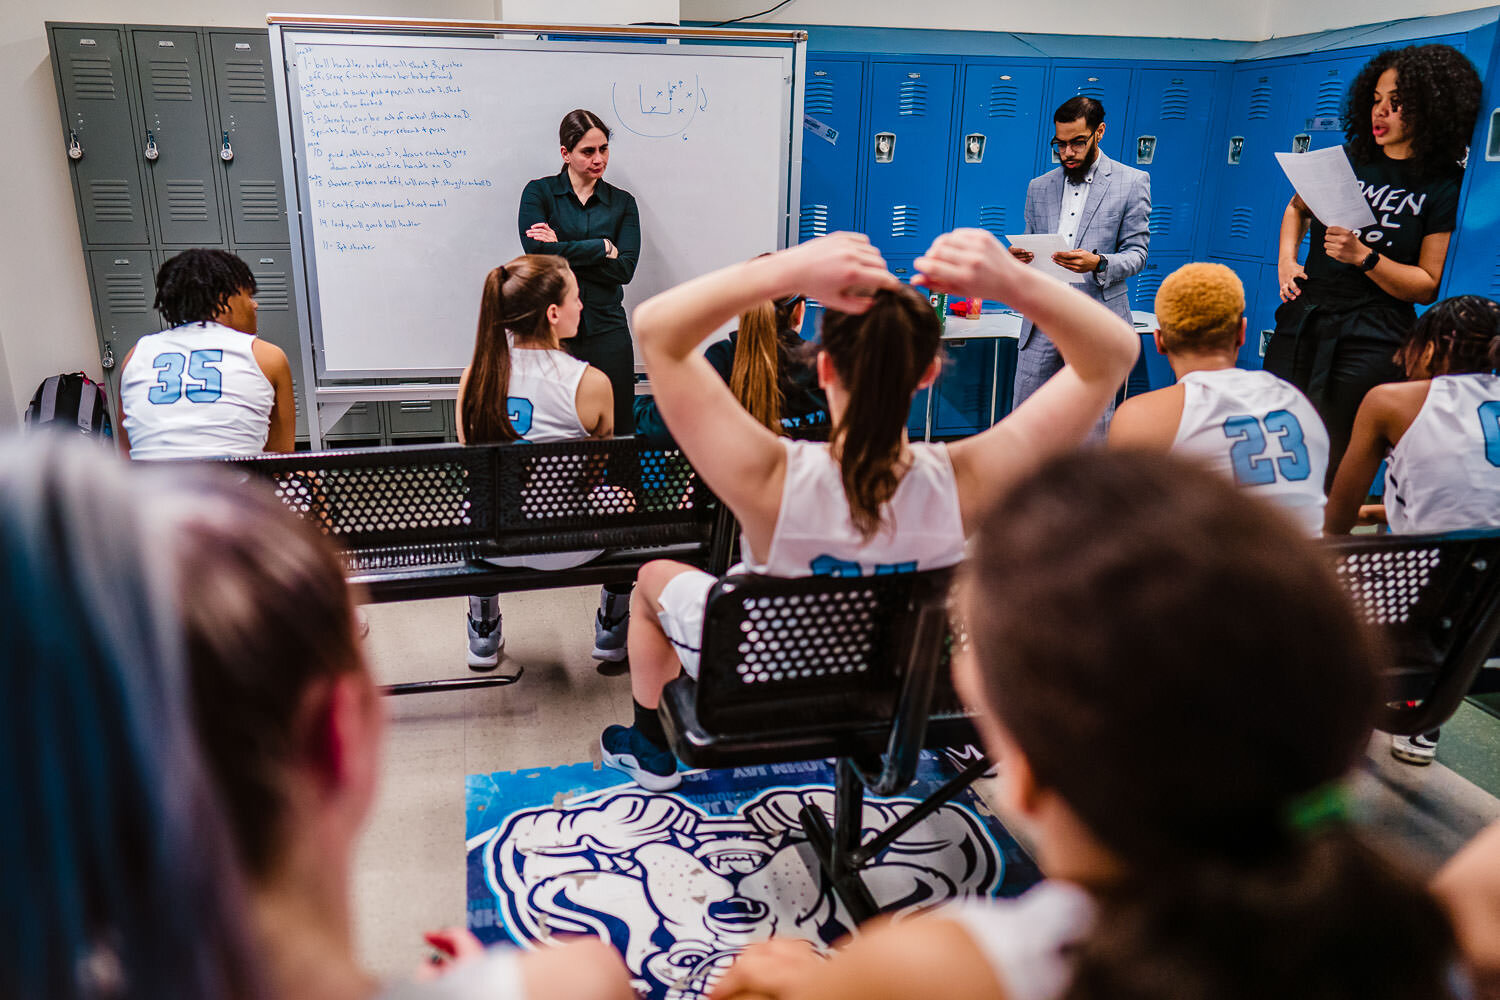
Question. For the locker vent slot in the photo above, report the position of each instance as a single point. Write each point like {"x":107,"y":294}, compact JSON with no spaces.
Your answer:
{"x":913,"y":100}
{"x":1494,"y":291}
{"x":992,"y":217}
{"x":271,"y":290}
{"x":904,"y":221}
{"x":813,"y":222}
{"x":110,"y":201}
{"x":1148,"y":284}
{"x":171,"y":80}
{"x":93,"y":78}
{"x":1094,"y":90}
{"x":1330,"y":97}
{"x":1241,"y":222}
{"x":1161,"y":219}
{"x":125,"y":294}
{"x":818,"y":97}
{"x":245,"y":79}
{"x":259,"y":202}
{"x":1174,"y":102}
{"x":1005,"y":100}
{"x":187,"y":201}
{"x":1260,"y":102}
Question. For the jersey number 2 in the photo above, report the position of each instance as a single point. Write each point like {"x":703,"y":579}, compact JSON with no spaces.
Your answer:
{"x":1249,"y":437}
{"x":199,"y":365}
{"x":1489,"y":423}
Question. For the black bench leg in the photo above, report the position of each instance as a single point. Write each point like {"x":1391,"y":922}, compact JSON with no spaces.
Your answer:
{"x":837,"y":847}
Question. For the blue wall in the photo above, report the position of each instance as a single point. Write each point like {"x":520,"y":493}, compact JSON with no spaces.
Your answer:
{"x":925,"y":93}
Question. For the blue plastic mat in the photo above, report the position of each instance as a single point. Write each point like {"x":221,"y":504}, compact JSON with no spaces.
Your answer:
{"x":680,"y":882}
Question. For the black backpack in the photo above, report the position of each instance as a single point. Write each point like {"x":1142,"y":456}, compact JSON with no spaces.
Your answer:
{"x":71,"y":402}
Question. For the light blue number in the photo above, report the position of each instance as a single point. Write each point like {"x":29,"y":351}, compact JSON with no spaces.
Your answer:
{"x":1249,"y":441}
{"x":199,"y":363}
{"x":1489,"y":423}
{"x":519,"y":410}
{"x":832,"y":566}
{"x":885,"y":569}
{"x":168,"y":387}
{"x":1294,"y":465}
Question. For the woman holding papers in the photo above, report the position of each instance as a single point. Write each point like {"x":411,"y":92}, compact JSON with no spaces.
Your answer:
{"x":1408,"y":117}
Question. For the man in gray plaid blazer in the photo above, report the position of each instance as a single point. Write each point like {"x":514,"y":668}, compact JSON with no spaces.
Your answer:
{"x":1103,"y":207}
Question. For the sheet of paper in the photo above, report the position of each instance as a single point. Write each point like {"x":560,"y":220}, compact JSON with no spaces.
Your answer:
{"x":1325,"y":180}
{"x":1042,"y":247}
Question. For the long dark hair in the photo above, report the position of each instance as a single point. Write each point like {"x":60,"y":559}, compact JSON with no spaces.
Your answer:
{"x":1439,"y":91}
{"x":763,"y":353}
{"x":264,"y":623}
{"x":196,"y":285}
{"x":1463,"y":332}
{"x":576,"y":124}
{"x":120,"y":878}
{"x":880,"y":356}
{"x":1183,"y":669}
{"x":515,"y":298}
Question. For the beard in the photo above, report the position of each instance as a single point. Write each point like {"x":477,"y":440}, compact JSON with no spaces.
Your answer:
{"x":1076,"y":174}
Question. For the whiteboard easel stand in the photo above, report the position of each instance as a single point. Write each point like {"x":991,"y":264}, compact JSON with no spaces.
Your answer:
{"x":324,"y":405}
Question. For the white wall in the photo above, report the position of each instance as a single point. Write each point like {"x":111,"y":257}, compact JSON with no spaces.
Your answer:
{"x":1298,"y":17}
{"x":46,"y":323}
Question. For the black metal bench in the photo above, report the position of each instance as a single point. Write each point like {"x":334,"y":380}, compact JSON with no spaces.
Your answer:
{"x":422,"y":522}
{"x":855,"y":669}
{"x":1437,"y":600}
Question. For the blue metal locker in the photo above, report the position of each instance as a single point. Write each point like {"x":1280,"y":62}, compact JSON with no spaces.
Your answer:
{"x":1152,"y":370}
{"x":830,"y":146}
{"x":908,"y":150}
{"x":1107,"y":83}
{"x":1252,"y":191}
{"x":1000,"y":122}
{"x":1169,"y":134}
{"x":1318,"y":101}
{"x":1261,"y":300}
{"x":962,"y":404}
{"x":1474,"y":256}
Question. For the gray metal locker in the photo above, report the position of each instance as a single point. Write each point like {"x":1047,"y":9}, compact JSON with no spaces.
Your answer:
{"x":246,"y":100}
{"x":99,"y":136}
{"x":360,"y":425}
{"x":124,"y":287}
{"x":276,"y":319}
{"x":176,"y":146}
{"x":417,"y":418}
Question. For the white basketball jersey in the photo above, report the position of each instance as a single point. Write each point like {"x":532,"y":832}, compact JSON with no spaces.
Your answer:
{"x":543,"y":399}
{"x":1261,"y":432}
{"x":1444,"y":473}
{"x":195,"y":391}
{"x":815,"y":536}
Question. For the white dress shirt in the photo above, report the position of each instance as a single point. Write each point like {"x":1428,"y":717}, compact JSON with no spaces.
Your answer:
{"x":1074,"y":198}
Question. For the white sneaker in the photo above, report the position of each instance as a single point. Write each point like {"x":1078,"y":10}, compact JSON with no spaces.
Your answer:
{"x":1419,"y":749}
{"x":485,"y":638}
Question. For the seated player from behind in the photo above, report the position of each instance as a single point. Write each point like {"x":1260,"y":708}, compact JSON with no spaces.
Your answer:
{"x":868,"y":501}
{"x":1226,"y":871}
{"x":1439,"y":435}
{"x":1249,"y":425}
{"x":207,"y":386}
{"x":522,"y":386}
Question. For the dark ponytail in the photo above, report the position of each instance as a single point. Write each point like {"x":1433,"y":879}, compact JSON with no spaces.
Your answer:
{"x":880,"y":357}
{"x":515,"y":299}
{"x":1463,"y":332}
{"x":1109,"y":594}
{"x":576,"y":124}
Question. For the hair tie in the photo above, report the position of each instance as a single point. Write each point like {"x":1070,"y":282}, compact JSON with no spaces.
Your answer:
{"x":1324,"y":806}
{"x":503,"y":275}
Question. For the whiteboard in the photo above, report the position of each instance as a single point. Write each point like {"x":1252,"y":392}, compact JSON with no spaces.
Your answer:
{"x":409,"y":154}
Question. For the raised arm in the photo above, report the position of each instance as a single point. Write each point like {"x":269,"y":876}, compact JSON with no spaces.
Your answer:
{"x":1097,"y":347}
{"x":742,"y":461}
{"x":536,"y":206}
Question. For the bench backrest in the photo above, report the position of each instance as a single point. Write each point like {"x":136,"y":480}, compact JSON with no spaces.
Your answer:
{"x":1437,"y":600}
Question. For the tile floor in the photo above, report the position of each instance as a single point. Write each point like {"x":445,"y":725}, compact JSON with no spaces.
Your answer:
{"x":409,"y":871}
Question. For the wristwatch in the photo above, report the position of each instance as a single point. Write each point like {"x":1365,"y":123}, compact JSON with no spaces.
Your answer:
{"x":1099,"y":267}
{"x":1368,"y":264}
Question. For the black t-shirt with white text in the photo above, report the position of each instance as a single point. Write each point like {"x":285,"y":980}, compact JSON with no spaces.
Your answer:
{"x":1408,"y":207}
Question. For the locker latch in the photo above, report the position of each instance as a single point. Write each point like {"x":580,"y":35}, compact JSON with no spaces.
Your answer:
{"x":226,"y":151}
{"x":108,"y":359}
{"x":75,"y":148}
{"x":974,"y":147}
{"x":885,"y":147}
{"x":151,"y":152}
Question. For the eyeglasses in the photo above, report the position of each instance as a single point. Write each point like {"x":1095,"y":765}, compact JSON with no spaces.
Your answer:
{"x":1075,"y":145}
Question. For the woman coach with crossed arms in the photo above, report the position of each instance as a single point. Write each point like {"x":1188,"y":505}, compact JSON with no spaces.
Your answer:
{"x":578,"y":215}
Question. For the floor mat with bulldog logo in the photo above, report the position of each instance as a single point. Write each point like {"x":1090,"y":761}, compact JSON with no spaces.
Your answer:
{"x":681,"y":881}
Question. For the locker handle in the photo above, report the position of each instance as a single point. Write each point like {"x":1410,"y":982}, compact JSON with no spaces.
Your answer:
{"x":226,"y":151}
{"x":151,"y":152}
{"x":75,"y":148}
{"x":973,"y":147}
{"x":1492,"y":141}
{"x":107,"y":361}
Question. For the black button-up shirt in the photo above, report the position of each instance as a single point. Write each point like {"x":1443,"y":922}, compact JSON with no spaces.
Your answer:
{"x":581,"y":231}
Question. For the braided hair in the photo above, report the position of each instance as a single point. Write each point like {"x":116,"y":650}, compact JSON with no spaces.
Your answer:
{"x":1463,"y":332}
{"x":196,"y":285}
{"x":1438,"y":92}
